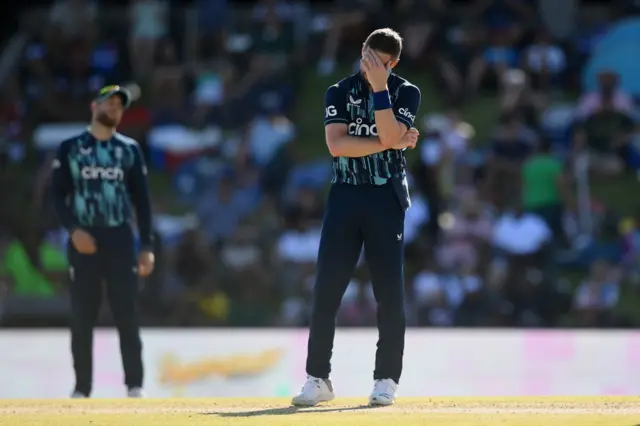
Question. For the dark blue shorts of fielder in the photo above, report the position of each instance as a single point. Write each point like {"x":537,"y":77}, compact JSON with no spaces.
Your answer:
{"x":357,"y":216}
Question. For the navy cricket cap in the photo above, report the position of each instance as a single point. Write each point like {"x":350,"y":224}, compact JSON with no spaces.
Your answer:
{"x":109,"y":91}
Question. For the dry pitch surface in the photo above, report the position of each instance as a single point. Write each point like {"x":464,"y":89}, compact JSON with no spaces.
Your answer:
{"x":610,"y":411}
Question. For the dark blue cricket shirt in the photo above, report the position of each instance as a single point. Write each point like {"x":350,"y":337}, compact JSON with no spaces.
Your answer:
{"x":350,"y":101}
{"x":97,"y":184}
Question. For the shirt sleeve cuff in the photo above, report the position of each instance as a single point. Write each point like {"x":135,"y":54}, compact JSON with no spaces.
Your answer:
{"x":404,"y":121}
{"x":335,"y":120}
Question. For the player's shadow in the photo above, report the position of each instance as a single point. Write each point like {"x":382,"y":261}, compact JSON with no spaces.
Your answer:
{"x":286,"y":411}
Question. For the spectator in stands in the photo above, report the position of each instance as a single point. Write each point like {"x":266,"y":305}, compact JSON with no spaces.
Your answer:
{"x":444,"y":296}
{"x":605,"y":127}
{"x":473,"y":309}
{"x":263,"y":92}
{"x":522,"y":239}
{"x":242,"y":251}
{"x":202,"y":301}
{"x":459,"y":47}
{"x":245,"y":260}
{"x":223,"y":208}
{"x":596,"y":296}
{"x":194,"y":258}
{"x":609,"y":96}
{"x":443,"y":166}
{"x":546,"y":189}
{"x":512,"y":143}
{"x":533,"y":233}
{"x":252,"y":290}
{"x":74,"y":18}
{"x":297,"y":248}
{"x":168,"y":90}
{"x":308,"y":203}
{"x":36,"y":80}
{"x":429,"y":296}
{"x":273,"y":31}
{"x":545,"y":62}
{"x":465,"y":235}
{"x":347,"y":15}
{"x":75,"y":86}
{"x":419,"y":22}
{"x":295,"y":309}
{"x":267,"y":219}
{"x":507,"y":16}
{"x":498,"y":56}
{"x":212,"y":85}
{"x":107,"y":62}
{"x":517,"y":97}
{"x":269,"y":130}
{"x":149,"y":24}
{"x":213,"y":22}
{"x":446,"y":145}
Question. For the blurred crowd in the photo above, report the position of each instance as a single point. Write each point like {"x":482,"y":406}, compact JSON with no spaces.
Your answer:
{"x":499,"y":224}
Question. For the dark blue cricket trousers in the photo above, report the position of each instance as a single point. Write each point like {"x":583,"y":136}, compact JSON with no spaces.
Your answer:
{"x":111,"y":270}
{"x":355,"y":216}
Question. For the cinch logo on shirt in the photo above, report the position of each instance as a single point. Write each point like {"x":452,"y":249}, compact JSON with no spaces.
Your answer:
{"x":106,"y":173}
{"x":360,"y":129}
{"x":406,"y":113}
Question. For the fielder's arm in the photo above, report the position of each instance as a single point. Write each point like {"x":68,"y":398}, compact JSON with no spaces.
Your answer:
{"x":139,"y":192}
{"x":393,"y":122}
{"x":336,"y":132}
{"x":62,"y":187}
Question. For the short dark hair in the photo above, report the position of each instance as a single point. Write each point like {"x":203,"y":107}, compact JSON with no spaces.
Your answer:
{"x":385,"y":40}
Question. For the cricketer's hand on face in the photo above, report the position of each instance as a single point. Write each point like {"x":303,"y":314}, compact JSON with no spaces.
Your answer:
{"x":377,"y":73}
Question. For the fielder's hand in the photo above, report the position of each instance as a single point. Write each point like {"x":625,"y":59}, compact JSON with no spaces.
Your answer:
{"x":409,"y":140}
{"x":377,"y":74}
{"x":83,"y":242}
{"x":146,"y":262}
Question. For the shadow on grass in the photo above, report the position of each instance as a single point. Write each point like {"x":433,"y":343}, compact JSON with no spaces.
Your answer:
{"x":287,"y":411}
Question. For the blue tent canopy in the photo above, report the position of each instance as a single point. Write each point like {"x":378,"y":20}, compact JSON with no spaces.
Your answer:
{"x":619,"y":51}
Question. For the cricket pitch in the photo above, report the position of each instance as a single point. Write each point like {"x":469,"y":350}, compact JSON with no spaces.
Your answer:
{"x":566,"y":411}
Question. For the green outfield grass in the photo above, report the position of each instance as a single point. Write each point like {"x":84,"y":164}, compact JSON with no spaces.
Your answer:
{"x":607,"y":411}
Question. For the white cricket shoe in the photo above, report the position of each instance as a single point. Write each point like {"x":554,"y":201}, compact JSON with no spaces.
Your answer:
{"x":384,"y":392}
{"x":76,"y":395}
{"x":135,"y":393}
{"x":313,"y":392}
